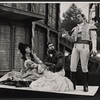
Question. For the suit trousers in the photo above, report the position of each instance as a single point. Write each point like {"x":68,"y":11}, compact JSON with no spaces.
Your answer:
{"x":80,"y":51}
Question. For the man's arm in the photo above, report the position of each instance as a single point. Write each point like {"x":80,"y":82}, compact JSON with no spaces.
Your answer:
{"x":59,"y":63}
{"x":67,"y":36}
{"x":37,"y":59}
{"x":46,"y":61}
{"x":93,"y":36}
{"x":94,"y":42}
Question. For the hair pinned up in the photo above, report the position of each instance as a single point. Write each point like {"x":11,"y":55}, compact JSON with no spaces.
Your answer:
{"x":22,"y":48}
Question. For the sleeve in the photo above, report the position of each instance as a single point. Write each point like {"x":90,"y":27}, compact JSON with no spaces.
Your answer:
{"x":23,"y":69}
{"x":46,"y":61}
{"x":94,"y":40}
{"x":36,"y":59}
{"x":59,"y":63}
{"x":21,"y":63}
{"x":92,"y":27}
{"x":67,"y":36}
{"x":73,"y":30}
{"x":93,"y":36}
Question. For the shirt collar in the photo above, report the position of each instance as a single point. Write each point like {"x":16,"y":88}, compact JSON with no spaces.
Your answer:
{"x":81,"y":24}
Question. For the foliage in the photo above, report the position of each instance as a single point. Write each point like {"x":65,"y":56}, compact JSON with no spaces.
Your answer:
{"x":69,"y":16}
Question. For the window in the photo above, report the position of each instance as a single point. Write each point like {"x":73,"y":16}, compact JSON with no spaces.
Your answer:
{"x":39,"y":8}
{"x":52,"y":15}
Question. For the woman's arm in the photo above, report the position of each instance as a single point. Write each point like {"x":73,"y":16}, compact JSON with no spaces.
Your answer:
{"x":23,"y":69}
{"x":37,"y":60}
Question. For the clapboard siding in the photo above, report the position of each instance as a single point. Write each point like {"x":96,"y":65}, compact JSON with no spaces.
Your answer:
{"x":9,"y":40}
{"x":19,"y":37}
{"x":54,"y":38}
{"x":4,"y":47}
{"x":40,"y":42}
{"x":15,"y":32}
{"x":21,"y":6}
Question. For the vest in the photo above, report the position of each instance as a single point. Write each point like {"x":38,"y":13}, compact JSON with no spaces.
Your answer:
{"x":85,"y":35}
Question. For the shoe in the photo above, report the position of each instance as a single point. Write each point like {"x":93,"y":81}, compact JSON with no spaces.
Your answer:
{"x":85,"y":86}
{"x":73,"y":79}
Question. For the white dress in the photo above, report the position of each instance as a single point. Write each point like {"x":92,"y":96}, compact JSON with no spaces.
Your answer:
{"x":52,"y":82}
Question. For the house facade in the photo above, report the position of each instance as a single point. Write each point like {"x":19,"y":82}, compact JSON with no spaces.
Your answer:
{"x":94,"y":17}
{"x":33,"y":23}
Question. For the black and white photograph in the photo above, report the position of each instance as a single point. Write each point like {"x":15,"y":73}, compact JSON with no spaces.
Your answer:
{"x":49,"y":49}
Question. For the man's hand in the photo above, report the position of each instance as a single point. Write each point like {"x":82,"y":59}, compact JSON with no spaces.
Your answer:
{"x":48,"y":64}
{"x":93,"y":53}
{"x":63,"y":33}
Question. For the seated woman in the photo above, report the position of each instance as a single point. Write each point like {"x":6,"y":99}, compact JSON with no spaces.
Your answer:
{"x":53,"y":75}
{"x":25,"y":73}
{"x":33,"y":70}
{"x":52,"y":82}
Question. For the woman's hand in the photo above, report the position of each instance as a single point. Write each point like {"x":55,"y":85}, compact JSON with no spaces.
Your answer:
{"x":34,"y":65}
{"x":24,"y":70}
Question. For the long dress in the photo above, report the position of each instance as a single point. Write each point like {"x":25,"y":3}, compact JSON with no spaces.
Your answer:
{"x":29,"y":75}
{"x":52,"y":82}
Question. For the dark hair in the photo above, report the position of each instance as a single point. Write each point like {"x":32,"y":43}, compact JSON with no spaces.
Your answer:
{"x":49,"y":44}
{"x":22,"y":47}
{"x":81,"y":15}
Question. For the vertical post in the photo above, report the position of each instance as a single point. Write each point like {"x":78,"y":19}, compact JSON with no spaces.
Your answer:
{"x":48,"y":35}
{"x":33,"y":36}
{"x":97,"y":10}
{"x":64,"y":55}
{"x":12,"y":46}
{"x":58,"y":41}
{"x":46,"y":19}
{"x":90,"y":12}
{"x":58,"y":23}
